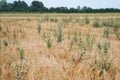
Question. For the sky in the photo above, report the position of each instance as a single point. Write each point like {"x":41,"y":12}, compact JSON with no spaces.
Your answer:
{"x":74,"y":3}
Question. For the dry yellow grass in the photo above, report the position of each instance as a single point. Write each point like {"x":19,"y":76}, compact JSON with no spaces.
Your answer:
{"x":57,"y":62}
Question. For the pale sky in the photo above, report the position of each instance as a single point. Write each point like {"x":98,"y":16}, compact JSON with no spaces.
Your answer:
{"x":75,"y":3}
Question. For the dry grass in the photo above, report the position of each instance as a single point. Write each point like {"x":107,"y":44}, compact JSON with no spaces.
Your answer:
{"x":81,"y":60}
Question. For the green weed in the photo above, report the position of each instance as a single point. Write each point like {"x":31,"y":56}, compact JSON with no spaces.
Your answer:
{"x":21,"y":52}
{"x":59,"y":34}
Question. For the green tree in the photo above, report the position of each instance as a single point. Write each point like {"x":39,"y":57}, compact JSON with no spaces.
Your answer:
{"x":37,"y":6}
{"x":3,"y":5}
{"x":78,"y":8}
{"x":20,"y":6}
{"x":10,"y":7}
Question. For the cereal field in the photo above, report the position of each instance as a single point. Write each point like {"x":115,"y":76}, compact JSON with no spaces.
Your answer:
{"x":60,"y":46}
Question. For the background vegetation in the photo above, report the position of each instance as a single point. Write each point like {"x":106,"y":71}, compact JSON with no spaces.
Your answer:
{"x":37,"y":6}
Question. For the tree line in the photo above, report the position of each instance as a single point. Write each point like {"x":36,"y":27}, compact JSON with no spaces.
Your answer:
{"x":37,"y":6}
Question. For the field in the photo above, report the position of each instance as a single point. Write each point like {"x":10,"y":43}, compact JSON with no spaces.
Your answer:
{"x":60,"y":46}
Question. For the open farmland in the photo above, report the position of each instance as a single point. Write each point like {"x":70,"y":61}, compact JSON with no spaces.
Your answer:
{"x":60,"y":46}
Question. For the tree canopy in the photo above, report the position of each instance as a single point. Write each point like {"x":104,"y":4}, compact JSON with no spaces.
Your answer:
{"x":37,"y":6}
{"x":20,"y":6}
